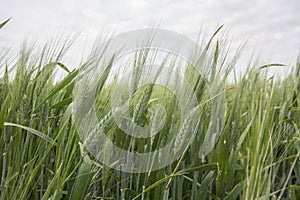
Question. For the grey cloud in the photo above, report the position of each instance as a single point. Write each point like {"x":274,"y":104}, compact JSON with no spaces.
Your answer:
{"x":274,"y":25}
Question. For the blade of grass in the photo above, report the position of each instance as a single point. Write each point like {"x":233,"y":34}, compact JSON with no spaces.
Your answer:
{"x":66,"y":81}
{"x":31,"y":130}
{"x":3,"y":23}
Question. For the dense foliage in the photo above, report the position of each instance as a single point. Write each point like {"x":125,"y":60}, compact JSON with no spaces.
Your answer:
{"x":42,"y":157}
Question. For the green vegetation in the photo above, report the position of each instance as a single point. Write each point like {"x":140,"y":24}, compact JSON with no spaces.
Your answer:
{"x":42,"y":157}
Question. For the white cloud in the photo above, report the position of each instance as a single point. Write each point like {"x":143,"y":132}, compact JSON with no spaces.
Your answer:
{"x":274,"y":25}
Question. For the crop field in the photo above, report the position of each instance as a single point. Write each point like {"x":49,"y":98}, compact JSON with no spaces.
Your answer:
{"x":245,"y":145}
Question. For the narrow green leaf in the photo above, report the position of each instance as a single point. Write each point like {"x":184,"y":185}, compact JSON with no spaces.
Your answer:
{"x":295,"y":108}
{"x":54,"y":184}
{"x":83,"y":180}
{"x":63,"y":102}
{"x":205,"y":184}
{"x":233,"y":194}
{"x":206,"y":167}
{"x":31,"y":130}
{"x":3,"y":24}
{"x":63,"y":67}
{"x":214,"y":67}
{"x":271,"y":65}
{"x":157,"y":183}
{"x":212,"y":37}
{"x":59,"y":87}
{"x":3,"y":112}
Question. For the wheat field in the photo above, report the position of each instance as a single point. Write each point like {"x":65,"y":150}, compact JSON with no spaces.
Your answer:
{"x":42,"y":156}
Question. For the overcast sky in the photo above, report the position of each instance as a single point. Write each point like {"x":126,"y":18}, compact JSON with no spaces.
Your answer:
{"x":273,"y":25}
